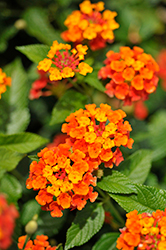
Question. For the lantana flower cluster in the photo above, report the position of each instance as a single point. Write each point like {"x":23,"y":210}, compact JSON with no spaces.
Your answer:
{"x":143,"y":231}
{"x":161,"y":60}
{"x":62,"y":62}
{"x":40,"y":243}
{"x":99,"y":132}
{"x":132,"y":73}
{"x":4,"y":82}
{"x":89,"y":24}
{"x":64,"y":175}
{"x":8,"y":215}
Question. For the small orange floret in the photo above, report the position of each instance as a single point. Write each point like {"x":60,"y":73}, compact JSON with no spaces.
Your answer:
{"x":4,"y":81}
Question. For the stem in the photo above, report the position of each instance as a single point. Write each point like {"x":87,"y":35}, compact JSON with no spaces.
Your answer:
{"x":107,"y":201}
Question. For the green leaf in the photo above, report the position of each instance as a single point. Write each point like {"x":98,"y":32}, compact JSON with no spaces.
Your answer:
{"x":16,"y":100}
{"x":68,"y":103}
{"x":86,"y":224}
{"x":22,"y":142}
{"x":9,"y":160}
{"x":92,"y":80}
{"x":34,"y":52}
{"x":33,"y":157}
{"x":117,"y":183}
{"x":48,"y":225}
{"x":38,"y":26}
{"x":107,"y":242}
{"x":7,"y":34}
{"x":157,"y":134}
{"x":29,"y":209}
{"x":137,"y":166}
{"x":148,"y":199}
{"x":12,"y":187}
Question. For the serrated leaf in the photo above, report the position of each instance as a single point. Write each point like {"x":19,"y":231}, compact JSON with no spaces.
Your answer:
{"x":29,"y":209}
{"x":148,"y":199}
{"x":12,"y":187}
{"x":34,"y":52}
{"x":68,"y":103}
{"x":39,"y":26}
{"x":9,"y":160}
{"x":86,"y":224}
{"x":117,"y":183}
{"x":48,"y":225}
{"x":106,"y":242}
{"x":137,"y":166}
{"x":92,"y":80}
{"x":22,"y":142}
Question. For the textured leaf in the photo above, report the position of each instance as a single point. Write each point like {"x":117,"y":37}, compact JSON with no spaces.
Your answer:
{"x":68,"y":103}
{"x":17,"y":100}
{"x":9,"y":159}
{"x":93,"y":81}
{"x":106,"y":242}
{"x":34,"y":52}
{"x":39,"y":26}
{"x":29,"y":209}
{"x":137,"y":166}
{"x":117,"y":183}
{"x":11,"y":186}
{"x":86,"y":224}
{"x":155,"y":135}
{"x":147,"y":200}
{"x":22,"y":142}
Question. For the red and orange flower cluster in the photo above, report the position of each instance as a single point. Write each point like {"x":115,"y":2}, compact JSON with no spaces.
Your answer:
{"x":132,"y":73}
{"x":8,"y":214}
{"x":40,"y":243}
{"x":90,"y":25}
{"x":64,"y":64}
{"x":4,"y":81}
{"x":161,"y":60}
{"x":143,"y":231}
{"x":64,"y":174}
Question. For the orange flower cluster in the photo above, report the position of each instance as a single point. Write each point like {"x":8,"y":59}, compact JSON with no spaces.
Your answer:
{"x":4,"y":81}
{"x":89,"y":24}
{"x":8,"y":214}
{"x":143,"y":231}
{"x":40,"y":243}
{"x":64,"y":179}
{"x":64,"y":64}
{"x":161,"y":60}
{"x":132,"y":73}
{"x":64,"y":173}
{"x":98,"y":133}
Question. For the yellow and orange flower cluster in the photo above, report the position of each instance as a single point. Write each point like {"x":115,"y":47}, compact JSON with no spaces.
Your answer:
{"x":64,"y":179}
{"x":8,"y":214}
{"x":91,"y":25}
{"x":64,"y":64}
{"x":99,"y":132}
{"x":64,"y":175}
{"x":143,"y":231}
{"x":4,"y":81}
{"x":132,"y":73}
{"x":40,"y":243}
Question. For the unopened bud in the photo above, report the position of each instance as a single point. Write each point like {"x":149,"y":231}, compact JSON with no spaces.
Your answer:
{"x":31,"y":227}
{"x":20,"y":24}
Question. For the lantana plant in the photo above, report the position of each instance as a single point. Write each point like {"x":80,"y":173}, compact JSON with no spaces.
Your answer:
{"x":83,"y":128}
